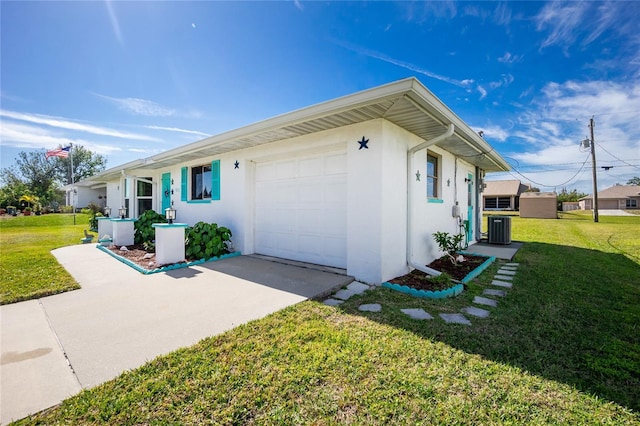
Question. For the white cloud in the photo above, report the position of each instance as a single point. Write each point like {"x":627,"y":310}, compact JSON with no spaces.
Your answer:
{"x":298,"y":4}
{"x":140,"y":106}
{"x":560,"y":21}
{"x":551,"y":133}
{"x":411,"y":67}
{"x":33,"y":137}
{"x":176,"y":129}
{"x":483,"y":92}
{"x":64,"y":123}
{"x":508,"y":58}
{"x":493,"y":132}
{"x":114,"y":21}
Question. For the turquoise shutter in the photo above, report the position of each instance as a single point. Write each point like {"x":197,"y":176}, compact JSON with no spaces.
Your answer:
{"x":184,"y":175}
{"x":215,"y":180}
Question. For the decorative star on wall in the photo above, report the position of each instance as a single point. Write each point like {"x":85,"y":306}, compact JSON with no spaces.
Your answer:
{"x":363,"y":143}
{"x":418,"y":176}
{"x":236,"y":165}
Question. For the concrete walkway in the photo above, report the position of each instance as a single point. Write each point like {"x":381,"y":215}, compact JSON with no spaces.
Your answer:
{"x":55,"y":346}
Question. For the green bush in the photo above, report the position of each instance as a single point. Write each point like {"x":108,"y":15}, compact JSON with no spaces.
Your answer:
{"x":207,"y":240}
{"x":144,"y":232}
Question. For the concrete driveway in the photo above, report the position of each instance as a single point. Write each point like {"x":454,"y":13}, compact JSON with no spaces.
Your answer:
{"x":56,"y":346}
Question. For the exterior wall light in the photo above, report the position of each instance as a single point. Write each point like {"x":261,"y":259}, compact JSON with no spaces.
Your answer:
{"x":122,"y":212}
{"x":170,"y":214}
{"x":107,"y":211}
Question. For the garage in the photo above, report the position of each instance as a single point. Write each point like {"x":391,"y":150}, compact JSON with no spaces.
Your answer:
{"x":301,"y":208}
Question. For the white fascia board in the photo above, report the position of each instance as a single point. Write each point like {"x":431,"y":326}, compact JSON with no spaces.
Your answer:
{"x":115,"y":171}
{"x":334,"y":106}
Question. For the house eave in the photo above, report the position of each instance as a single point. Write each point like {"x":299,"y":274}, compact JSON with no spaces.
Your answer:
{"x":406,"y":103}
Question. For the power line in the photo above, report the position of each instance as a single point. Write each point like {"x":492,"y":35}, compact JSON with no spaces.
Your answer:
{"x":619,"y":159}
{"x":560,"y":184}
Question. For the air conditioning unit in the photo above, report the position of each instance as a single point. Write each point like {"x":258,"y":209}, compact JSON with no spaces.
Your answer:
{"x":499,"y":230}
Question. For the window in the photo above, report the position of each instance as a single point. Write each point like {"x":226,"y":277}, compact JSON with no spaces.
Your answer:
{"x":432,"y":176}
{"x":144,"y":195}
{"x":200,"y":184}
{"x":631,"y":203}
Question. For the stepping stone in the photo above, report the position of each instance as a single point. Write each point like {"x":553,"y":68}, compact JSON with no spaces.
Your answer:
{"x":343,"y":294}
{"x":479,"y":300}
{"x":512,"y":264}
{"x":504,"y":277}
{"x":509,"y":268}
{"x":455,"y":319}
{"x":357,"y":288}
{"x":502,"y":283}
{"x":371,"y":307}
{"x":506,"y":272}
{"x":476,"y":312}
{"x":492,"y":292}
{"x":418,"y":314}
{"x":333,"y":302}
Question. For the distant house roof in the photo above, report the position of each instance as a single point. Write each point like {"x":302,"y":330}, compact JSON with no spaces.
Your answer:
{"x":617,"y":192}
{"x":538,"y":195}
{"x":505,"y":188}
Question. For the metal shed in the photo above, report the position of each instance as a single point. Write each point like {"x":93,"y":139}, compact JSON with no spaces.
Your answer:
{"x":540,"y":205}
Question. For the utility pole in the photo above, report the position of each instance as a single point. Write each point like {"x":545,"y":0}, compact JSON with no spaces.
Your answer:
{"x":595,"y":181}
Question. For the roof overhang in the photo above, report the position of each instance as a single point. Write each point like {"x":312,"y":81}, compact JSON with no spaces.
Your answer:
{"x":406,"y":103}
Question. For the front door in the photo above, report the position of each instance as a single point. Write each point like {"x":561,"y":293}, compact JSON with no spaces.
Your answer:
{"x":469,"y":207}
{"x":166,"y":191}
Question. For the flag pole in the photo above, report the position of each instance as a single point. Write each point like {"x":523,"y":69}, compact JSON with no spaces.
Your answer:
{"x":73,"y":194}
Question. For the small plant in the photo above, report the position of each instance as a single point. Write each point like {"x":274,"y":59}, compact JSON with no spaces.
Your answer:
{"x":449,"y":244}
{"x":206,"y":240}
{"x":149,"y":246}
{"x":143,"y":229}
{"x":443,"y":280}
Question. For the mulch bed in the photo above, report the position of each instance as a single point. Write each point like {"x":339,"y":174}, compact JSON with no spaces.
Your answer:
{"x":135,"y":254}
{"x":420,"y":281}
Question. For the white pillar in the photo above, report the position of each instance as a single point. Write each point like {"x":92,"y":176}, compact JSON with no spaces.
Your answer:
{"x":105,"y":227}
{"x":169,"y":242}
{"x":123,"y":231}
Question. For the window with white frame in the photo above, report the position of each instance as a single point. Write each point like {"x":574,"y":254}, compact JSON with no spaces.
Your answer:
{"x":201,"y":182}
{"x":144,"y":194}
{"x":433,"y":171}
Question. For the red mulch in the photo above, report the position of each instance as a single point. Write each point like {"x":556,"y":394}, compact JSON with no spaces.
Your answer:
{"x":419,"y":280}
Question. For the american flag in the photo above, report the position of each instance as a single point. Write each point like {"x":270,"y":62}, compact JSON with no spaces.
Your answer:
{"x":58,"y":152}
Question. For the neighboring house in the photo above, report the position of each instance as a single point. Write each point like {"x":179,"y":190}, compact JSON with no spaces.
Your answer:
{"x":81,"y":194}
{"x":539,"y":205}
{"x":503,"y":194}
{"x":568,"y":206}
{"x":359,"y":182}
{"x":618,"y":197}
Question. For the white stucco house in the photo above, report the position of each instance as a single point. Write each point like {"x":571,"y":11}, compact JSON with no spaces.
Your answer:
{"x":360,"y":182}
{"x":81,"y":194}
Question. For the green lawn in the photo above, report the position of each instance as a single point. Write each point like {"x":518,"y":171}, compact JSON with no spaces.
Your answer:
{"x":563,"y":347}
{"x":28,"y":269}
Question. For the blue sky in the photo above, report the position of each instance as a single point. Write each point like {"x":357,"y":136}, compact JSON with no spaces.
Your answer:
{"x":131,"y":79}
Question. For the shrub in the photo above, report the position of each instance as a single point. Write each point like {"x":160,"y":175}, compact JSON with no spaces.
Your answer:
{"x":449,"y":244}
{"x":144,"y":232}
{"x":206,"y":240}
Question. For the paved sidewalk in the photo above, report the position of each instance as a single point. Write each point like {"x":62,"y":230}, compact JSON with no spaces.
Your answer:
{"x":121,"y":319}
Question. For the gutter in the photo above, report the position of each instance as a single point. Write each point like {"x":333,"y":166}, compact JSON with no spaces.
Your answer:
{"x":410,"y":154}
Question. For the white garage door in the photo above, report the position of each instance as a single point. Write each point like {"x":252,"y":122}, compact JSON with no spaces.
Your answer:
{"x":301,"y":209}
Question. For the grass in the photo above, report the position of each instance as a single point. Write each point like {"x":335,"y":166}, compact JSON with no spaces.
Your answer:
{"x":562,"y":347}
{"x":28,"y":269}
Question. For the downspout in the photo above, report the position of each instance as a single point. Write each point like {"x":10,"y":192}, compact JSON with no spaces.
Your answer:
{"x":410,"y":154}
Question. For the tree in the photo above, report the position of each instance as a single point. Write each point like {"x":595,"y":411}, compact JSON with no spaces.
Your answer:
{"x":37,"y":173}
{"x":85,"y":163}
{"x":564,"y":196}
{"x":634,"y":181}
{"x":12,"y":188}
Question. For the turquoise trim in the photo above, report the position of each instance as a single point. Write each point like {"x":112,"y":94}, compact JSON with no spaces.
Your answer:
{"x":169,"y":225}
{"x":473,"y":274}
{"x":198,"y":201}
{"x":169,"y":267}
{"x":184,"y":176}
{"x":166,"y":191}
{"x":215,"y":180}
{"x":126,"y":219}
{"x":441,"y":294}
{"x":435,"y":200}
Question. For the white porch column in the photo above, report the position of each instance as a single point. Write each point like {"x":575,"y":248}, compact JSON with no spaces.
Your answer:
{"x":169,"y":242}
